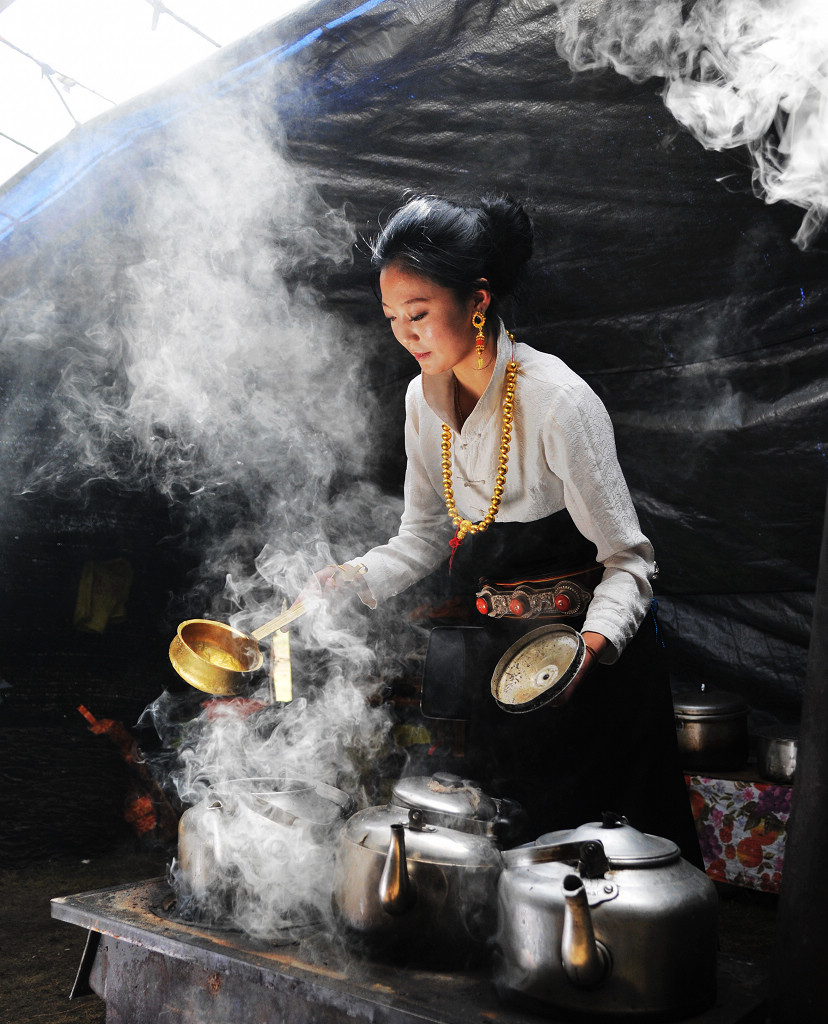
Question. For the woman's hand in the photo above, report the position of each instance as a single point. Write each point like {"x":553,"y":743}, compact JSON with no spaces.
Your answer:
{"x":596,"y":644}
{"x":330,"y":579}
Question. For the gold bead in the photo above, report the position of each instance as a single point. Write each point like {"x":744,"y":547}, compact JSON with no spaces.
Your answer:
{"x":464,"y":526}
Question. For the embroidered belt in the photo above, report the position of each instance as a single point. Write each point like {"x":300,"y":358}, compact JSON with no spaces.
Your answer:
{"x":545,"y":597}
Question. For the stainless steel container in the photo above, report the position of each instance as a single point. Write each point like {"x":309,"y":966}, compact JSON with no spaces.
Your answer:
{"x":711,"y":729}
{"x":285,"y":819}
{"x":605,"y":922}
{"x":776,"y":750}
{"x":420,"y":873}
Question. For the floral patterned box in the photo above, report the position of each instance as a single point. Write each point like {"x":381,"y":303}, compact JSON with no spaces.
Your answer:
{"x":741,"y":824}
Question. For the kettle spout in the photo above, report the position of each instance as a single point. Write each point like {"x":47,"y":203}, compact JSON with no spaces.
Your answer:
{"x":396,"y":890}
{"x":585,"y":959}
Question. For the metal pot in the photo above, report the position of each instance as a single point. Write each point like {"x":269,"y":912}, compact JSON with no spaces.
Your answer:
{"x":776,"y":750}
{"x":213,"y":657}
{"x":605,"y":920}
{"x":420,"y":873}
{"x":711,"y":729}
{"x":212,"y":834}
{"x":538,"y":668}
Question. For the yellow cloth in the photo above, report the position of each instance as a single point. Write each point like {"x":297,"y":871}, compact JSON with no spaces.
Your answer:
{"x":102,"y":594}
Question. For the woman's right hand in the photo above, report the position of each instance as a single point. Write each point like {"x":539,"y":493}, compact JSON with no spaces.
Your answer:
{"x":330,"y":579}
{"x":322,"y":580}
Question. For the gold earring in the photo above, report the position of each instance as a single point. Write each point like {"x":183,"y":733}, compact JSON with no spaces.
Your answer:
{"x":479,"y":322}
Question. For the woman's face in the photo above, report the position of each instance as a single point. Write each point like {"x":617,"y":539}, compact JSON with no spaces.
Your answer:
{"x":429,"y":320}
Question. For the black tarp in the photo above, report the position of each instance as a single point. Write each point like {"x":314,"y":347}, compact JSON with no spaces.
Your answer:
{"x":659,"y":276}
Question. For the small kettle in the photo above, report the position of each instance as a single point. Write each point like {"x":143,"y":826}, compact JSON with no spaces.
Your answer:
{"x":607,"y":920}
{"x":419,"y":874}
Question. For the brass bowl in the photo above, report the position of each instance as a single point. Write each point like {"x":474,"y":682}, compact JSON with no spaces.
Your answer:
{"x":213,"y":657}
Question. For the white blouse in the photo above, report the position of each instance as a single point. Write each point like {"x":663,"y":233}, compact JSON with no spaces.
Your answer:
{"x":562,"y":455}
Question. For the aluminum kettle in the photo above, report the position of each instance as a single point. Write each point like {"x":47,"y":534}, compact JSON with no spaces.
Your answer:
{"x":605,"y":920}
{"x":418,"y":876}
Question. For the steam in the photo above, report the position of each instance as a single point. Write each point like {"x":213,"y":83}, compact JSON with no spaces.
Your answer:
{"x":185,"y":346}
{"x":750,"y":73}
{"x":241,"y":866}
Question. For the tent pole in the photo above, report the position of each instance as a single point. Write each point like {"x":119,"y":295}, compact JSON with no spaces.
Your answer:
{"x":799,"y":982}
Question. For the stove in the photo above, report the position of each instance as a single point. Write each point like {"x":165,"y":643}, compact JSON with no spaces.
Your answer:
{"x":151,"y":968}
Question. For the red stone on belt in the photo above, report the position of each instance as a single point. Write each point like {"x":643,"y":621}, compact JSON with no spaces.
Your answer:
{"x":540,"y":598}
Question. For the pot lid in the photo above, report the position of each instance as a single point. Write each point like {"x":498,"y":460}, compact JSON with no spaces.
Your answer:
{"x":286,"y":800}
{"x":624,"y":845}
{"x":706,"y":702}
{"x":445,"y":793}
{"x":537,"y":668}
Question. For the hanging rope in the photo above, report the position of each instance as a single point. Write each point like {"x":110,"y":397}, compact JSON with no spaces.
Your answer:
{"x":159,"y":8}
{"x":47,"y":71}
{"x":65,"y":82}
{"x":18,"y":143}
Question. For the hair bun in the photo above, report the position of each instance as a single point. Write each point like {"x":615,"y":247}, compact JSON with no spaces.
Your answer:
{"x":458,"y":246}
{"x":512,"y":235}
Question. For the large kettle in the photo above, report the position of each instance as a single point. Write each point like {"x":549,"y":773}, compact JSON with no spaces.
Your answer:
{"x":605,"y":920}
{"x":249,"y":835}
{"x":418,"y":876}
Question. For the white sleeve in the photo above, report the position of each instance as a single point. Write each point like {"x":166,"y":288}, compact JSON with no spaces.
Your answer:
{"x":425,"y":528}
{"x":580,"y":449}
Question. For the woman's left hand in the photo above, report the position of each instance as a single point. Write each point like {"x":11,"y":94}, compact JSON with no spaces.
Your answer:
{"x":596,"y":644}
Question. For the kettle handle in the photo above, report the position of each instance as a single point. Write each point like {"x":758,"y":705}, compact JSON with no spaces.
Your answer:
{"x":590,"y":856}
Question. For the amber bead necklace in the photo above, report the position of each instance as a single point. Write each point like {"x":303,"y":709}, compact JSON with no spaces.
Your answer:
{"x":465,"y":526}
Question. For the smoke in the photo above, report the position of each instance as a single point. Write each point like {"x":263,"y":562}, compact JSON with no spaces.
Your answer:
{"x":185,"y":346}
{"x":243,"y":860}
{"x":237,"y":380}
{"x":751,"y":73}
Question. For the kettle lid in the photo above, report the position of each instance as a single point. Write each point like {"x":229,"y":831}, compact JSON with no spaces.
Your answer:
{"x":445,"y":793}
{"x":709,"y":703}
{"x":623,"y":845}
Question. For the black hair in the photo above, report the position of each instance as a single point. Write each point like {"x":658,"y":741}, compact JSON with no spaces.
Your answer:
{"x":459,"y":246}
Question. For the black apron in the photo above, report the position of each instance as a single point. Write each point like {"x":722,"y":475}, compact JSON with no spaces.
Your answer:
{"x":612,"y":746}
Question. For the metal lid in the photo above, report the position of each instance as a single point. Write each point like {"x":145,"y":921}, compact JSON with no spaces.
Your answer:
{"x":709,"y":703}
{"x":446,"y":794}
{"x":285,"y":801}
{"x":537,"y":668}
{"x":623,"y":845}
{"x":424,"y":841}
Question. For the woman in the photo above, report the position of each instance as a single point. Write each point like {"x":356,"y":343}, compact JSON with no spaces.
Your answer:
{"x":512,"y":474}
